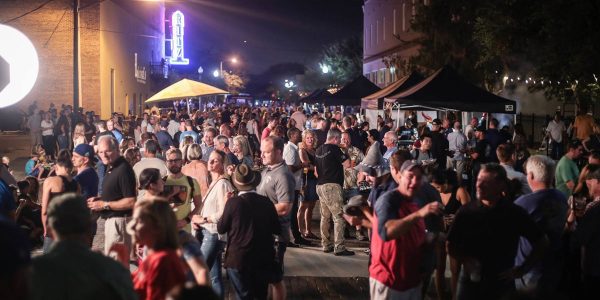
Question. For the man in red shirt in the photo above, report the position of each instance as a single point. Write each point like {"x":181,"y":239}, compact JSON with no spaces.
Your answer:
{"x":399,"y":236}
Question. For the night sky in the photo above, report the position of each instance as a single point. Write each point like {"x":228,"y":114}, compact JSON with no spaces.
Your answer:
{"x":275,"y":31}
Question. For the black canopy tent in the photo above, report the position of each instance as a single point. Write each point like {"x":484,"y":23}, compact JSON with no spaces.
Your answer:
{"x":375,"y":100}
{"x":446,"y":89}
{"x":316,"y":96}
{"x":352,"y":93}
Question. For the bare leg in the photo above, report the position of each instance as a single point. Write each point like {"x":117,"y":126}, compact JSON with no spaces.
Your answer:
{"x":302,"y":226}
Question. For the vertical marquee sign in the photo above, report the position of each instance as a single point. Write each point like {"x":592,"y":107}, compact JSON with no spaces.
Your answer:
{"x":178,"y":24}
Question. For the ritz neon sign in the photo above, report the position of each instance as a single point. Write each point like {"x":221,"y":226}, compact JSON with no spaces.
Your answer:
{"x":178,"y":24}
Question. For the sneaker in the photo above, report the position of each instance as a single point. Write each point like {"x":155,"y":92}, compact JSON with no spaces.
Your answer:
{"x":328,"y":249}
{"x":345,"y":252}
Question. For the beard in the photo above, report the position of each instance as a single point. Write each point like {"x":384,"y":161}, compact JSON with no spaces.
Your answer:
{"x":175,"y":169}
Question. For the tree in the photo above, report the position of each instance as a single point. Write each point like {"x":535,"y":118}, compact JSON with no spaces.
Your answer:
{"x":234,"y":82}
{"x":343,"y":59}
{"x":551,"y":40}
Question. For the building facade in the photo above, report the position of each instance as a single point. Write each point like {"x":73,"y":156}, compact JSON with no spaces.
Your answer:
{"x":387,"y":35}
{"x":119,"y":40}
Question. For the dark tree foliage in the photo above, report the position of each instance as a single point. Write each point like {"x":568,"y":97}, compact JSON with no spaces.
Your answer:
{"x":345,"y":59}
{"x":554,"y":40}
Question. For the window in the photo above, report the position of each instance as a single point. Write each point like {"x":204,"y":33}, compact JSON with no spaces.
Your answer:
{"x":377,"y":32}
{"x":394,"y":22}
{"x":371,"y":35}
{"x":403,"y":16}
{"x":112,"y":90}
{"x":384,"y":25}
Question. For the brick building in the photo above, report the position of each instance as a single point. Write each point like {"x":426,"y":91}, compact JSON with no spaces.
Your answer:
{"x":119,"y":41}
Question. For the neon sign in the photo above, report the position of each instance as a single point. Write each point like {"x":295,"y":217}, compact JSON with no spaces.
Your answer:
{"x":178,"y":24}
{"x":19,"y":66}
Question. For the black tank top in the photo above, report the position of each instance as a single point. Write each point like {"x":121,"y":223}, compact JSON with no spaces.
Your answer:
{"x":453,"y":204}
{"x":68,"y":187}
{"x":311,"y":158}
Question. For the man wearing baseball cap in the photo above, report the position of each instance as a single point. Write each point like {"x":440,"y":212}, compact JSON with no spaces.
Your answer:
{"x":399,"y":236}
{"x":84,"y":159}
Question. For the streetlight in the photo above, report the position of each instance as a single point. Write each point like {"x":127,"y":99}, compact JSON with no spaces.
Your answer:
{"x":288,"y":84}
{"x":233,"y":60}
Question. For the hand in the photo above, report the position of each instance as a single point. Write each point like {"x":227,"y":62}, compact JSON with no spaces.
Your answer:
{"x":198,"y":220}
{"x":431,"y":208}
{"x":96,"y":205}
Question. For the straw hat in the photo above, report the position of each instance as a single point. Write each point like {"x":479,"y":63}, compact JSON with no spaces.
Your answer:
{"x":373,"y":163}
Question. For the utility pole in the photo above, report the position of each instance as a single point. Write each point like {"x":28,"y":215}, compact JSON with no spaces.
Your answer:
{"x":75,"y":54}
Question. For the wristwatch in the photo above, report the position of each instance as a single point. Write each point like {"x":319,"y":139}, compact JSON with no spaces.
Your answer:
{"x":106,"y":207}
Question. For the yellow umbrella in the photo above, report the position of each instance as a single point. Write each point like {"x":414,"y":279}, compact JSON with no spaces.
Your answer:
{"x":185,"y":88}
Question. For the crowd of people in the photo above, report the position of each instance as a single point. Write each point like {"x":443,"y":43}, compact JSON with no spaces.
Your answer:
{"x":180,"y":196}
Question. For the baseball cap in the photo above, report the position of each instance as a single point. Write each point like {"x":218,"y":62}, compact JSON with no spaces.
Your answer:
{"x":164,"y":123}
{"x":85,"y":150}
{"x":409,"y":165}
{"x":436,"y":122}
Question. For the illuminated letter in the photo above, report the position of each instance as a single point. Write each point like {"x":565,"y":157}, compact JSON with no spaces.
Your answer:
{"x":178,"y":24}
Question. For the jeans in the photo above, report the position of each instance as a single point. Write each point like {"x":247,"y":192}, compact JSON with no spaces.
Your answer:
{"x":212,"y":249}
{"x":248,"y":284}
{"x":63,"y":142}
{"x":294,"y":217}
{"x":557,"y":150}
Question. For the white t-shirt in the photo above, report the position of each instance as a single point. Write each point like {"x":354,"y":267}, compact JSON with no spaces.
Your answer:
{"x":47,"y":124}
{"x":291,"y":156}
{"x":149,"y":162}
{"x":556,"y":130}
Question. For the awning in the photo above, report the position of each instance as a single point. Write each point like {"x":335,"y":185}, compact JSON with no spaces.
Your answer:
{"x":352,"y":93}
{"x":375,"y":100}
{"x":446,"y":89}
{"x":185,"y":88}
{"x":317,"y":96}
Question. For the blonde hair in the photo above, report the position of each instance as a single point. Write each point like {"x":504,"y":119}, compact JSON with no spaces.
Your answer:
{"x":159,"y":213}
{"x":193,"y":152}
{"x":305,"y":134}
{"x":79,"y":131}
{"x":244,"y":144}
